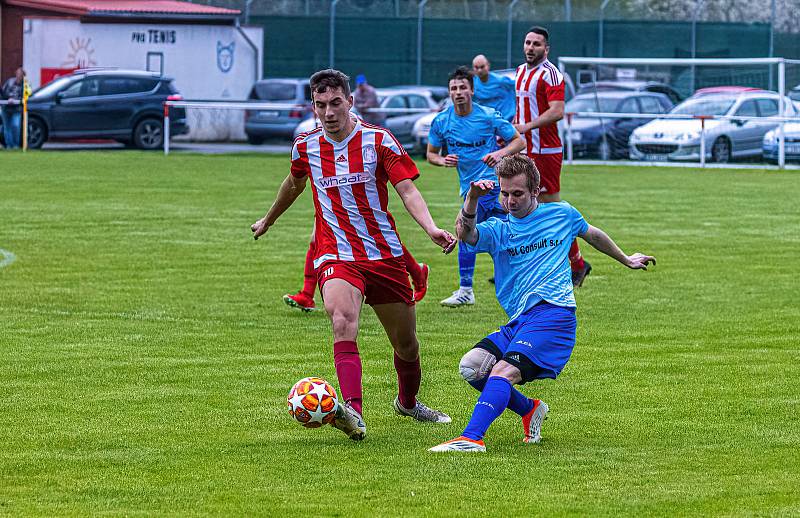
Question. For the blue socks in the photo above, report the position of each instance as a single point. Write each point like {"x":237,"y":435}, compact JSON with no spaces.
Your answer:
{"x":466,"y":266}
{"x":518,"y":403}
{"x":493,"y":401}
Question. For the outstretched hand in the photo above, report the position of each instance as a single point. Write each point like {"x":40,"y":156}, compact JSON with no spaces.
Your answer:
{"x":259,"y":228}
{"x":639,"y":261}
{"x":481,"y":188}
{"x":444,"y":239}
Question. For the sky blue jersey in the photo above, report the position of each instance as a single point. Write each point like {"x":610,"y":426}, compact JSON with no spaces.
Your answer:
{"x":530,"y":256}
{"x":471,"y":137}
{"x":498,"y":92}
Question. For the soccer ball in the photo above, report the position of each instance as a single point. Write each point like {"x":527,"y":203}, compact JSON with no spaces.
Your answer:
{"x":313,"y":402}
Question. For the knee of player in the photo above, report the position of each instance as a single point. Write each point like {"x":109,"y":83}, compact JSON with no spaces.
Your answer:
{"x":343,"y":320}
{"x":508,"y":371}
{"x":476,"y":364}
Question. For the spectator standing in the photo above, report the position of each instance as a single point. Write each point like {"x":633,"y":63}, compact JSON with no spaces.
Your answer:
{"x":12,"y":112}
{"x":366,"y":98}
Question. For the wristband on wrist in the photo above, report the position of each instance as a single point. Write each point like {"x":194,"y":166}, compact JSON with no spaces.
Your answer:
{"x":468,"y":216}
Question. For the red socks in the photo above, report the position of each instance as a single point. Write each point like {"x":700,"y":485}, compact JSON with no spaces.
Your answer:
{"x":309,"y":277}
{"x":575,"y":259}
{"x":409,"y":375}
{"x":412,"y":266}
{"x":348,"y":370}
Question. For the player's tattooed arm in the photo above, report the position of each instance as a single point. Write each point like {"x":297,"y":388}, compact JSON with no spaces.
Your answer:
{"x":290,"y":189}
{"x":602,"y":242}
{"x":466,"y":230}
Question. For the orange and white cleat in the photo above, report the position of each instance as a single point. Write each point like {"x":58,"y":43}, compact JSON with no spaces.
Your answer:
{"x":532,"y":422}
{"x":461,"y":444}
{"x":300,"y":301}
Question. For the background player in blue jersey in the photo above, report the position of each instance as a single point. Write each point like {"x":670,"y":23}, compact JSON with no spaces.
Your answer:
{"x":534,"y":285}
{"x":469,"y":131}
{"x":493,"y":90}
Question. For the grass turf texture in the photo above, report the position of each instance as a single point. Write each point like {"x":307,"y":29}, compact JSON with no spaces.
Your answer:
{"x":146,"y":354}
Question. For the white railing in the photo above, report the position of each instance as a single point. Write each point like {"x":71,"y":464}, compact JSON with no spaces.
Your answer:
{"x":247,"y":105}
{"x":779,"y":121}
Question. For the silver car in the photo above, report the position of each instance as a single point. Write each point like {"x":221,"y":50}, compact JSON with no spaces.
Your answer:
{"x":676,"y":139}
{"x":407,"y":105}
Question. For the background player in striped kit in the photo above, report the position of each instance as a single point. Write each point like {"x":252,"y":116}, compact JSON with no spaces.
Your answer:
{"x":358,"y":254}
{"x":540,"y":105}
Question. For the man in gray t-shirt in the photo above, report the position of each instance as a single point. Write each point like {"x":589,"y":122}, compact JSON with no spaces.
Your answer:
{"x":365,"y":97}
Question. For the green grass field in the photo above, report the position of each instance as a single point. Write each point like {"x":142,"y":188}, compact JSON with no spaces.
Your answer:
{"x":146,"y":353}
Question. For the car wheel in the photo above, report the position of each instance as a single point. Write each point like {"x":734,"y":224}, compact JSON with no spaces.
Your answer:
{"x":604,"y":149}
{"x":254,"y":140}
{"x":149,"y":134}
{"x":721,"y":150}
{"x":37,"y":133}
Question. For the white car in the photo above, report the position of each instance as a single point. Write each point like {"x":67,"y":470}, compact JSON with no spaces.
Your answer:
{"x":676,"y":139}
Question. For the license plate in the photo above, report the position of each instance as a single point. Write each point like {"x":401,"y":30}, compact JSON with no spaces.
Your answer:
{"x":656,"y":158}
{"x":793,"y":149}
{"x":268,"y":114}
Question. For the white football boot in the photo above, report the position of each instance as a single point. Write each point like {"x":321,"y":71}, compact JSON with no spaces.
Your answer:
{"x":421,"y":412}
{"x":460,"y":444}
{"x":461,"y":297}
{"x":532,"y":422}
{"x":350,"y":422}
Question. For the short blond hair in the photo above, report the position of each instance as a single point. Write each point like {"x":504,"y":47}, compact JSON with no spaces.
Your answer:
{"x":516,"y":165}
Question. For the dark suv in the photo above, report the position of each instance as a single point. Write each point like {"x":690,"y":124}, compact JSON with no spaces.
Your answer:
{"x":124,"y":105}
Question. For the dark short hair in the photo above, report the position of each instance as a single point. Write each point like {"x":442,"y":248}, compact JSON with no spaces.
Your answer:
{"x":329,"y":78}
{"x":516,"y":165}
{"x":462,"y":72}
{"x":541,"y":31}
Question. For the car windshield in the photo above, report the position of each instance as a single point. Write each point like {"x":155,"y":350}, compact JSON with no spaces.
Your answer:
{"x":590,"y":104}
{"x":276,"y":91}
{"x":704,"y":106}
{"x":51,"y":88}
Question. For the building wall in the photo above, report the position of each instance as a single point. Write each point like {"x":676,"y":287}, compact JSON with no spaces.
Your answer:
{"x":11,"y":30}
{"x":209,"y":62}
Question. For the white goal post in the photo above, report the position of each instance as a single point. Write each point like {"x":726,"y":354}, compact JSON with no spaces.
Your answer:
{"x":692,"y":63}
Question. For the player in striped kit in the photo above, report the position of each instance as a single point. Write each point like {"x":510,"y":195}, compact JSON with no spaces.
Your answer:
{"x":359,"y":256}
{"x":540,"y":105}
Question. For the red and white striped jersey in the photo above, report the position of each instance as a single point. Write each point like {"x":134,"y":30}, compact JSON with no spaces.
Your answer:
{"x":349,"y":180}
{"x":536,"y":88}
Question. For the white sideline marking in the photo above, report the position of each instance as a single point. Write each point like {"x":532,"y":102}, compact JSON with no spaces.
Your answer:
{"x":8,"y":258}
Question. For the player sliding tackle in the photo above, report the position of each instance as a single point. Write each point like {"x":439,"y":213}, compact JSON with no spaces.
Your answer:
{"x":358,"y":255}
{"x":534,"y":286}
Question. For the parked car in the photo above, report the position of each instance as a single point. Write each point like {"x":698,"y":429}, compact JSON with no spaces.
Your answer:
{"x":791,"y":151}
{"x":401,"y":123}
{"x":124,"y":105}
{"x":632,"y":86}
{"x":422,"y":127}
{"x":672,"y":139}
{"x":607,"y":138}
{"x":292,"y":100}
{"x":439,"y":93}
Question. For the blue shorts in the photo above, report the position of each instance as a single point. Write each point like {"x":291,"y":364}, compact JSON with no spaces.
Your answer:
{"x":539,"y":342}
{"x":489,"y":207}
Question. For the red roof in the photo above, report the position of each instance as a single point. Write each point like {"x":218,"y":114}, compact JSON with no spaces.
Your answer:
{"x":125,"y":7}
